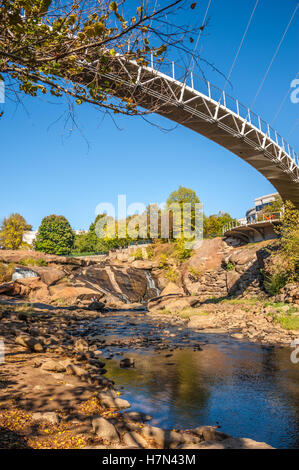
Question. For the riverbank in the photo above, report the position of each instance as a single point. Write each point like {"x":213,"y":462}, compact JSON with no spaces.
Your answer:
{"x":257,"y":320}
{"x":54,"y":393}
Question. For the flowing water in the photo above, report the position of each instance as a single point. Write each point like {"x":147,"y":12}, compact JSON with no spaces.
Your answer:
{"x":185,"y":379}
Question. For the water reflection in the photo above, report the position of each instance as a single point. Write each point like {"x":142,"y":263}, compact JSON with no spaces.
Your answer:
{"x":251,"y":390}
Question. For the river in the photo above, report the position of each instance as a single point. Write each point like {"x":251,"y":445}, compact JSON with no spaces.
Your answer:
{"x":185,"y":379}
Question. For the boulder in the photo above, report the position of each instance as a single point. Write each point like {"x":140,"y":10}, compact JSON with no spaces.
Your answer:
{"x":172,"y":288}
{"x":157,"y":435}
{"x":54,"y":366}
{"x":97,"y":306}
{"x":133,"y":439}
{"x":49,"y":275}
{"x":201,"y":322}
{"x":81,"y":345}
{"x":109,"y":400}
{"x":127,"y":362}
{"x":49,"y":416}
{"x":104,"y":429}
{"x":30,"y":343}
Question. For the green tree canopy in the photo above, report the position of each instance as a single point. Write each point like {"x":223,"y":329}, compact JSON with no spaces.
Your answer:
{"x":12,"y":231}
{"x":55,"y":236}
{"x":182,"y":196}
{"x":212,"y":225}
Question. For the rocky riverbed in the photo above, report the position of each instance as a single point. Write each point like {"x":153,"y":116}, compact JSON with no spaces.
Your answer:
{"x":54,"y":393}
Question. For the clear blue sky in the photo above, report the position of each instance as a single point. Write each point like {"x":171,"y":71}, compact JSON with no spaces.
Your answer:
{"x":47,"y":169}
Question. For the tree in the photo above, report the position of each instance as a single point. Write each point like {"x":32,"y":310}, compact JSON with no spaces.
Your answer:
{"x":289,"y":233}
{"x":55,"y":236}
{"x":67,"y":47}
{"x":212,"y":225}
{"x":182,"y":196}
{"x":179,"y":217}
{"x":12,"y":231}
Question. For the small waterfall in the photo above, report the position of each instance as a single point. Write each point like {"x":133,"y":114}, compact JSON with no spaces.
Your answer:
{"x":23,"y":273}
{"x":151,"y":283}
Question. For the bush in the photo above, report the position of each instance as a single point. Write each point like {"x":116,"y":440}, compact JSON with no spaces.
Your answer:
{"x":12,"y":231}
{"x":230,"y":266}
{"x":275,"y":282}
{"x":55,"y":236}
{"x":6,"y":271}
{"x":138,"y":254}
{"x":194,"y":273}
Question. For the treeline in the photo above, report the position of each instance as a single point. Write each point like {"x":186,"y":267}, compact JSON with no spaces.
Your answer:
{"x":55,"y":234}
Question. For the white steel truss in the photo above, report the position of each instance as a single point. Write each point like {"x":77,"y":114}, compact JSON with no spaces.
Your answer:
{"x":210,"y":112}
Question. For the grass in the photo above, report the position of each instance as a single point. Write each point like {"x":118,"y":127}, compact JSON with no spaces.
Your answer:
{"x":289,"y":322}
{"x":33,"y":262}
{"x":185,"y":313}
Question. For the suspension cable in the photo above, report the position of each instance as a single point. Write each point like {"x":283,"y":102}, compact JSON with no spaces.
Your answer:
{"x":191,"y":65}
{"x":274,"y":56}
{"x":240,"y":46}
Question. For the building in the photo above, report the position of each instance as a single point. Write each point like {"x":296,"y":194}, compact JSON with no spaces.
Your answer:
{"x":259,"y":204}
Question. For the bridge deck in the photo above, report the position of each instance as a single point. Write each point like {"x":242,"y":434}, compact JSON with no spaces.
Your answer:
{"x":238,"y":130}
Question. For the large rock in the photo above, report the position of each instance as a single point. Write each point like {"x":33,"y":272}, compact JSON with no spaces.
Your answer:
{"x":232,"y":443}
{"x":109,"y":400}
{"x":172,"y":288}
{"x":133,"y":439}
{"x":105,"y":430}
{"x":201,"y":322}
{"x":49,"y":416}
{"x":157,"y":435}
{"x":49,"y":275}
{"x":30,"y":343}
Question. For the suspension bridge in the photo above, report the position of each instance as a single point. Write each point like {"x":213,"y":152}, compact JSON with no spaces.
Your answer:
{"x":184,"y":97}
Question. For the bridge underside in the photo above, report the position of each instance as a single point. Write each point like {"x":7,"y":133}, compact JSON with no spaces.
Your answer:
{"x":182,"y":104}
{"x":254,"y":232}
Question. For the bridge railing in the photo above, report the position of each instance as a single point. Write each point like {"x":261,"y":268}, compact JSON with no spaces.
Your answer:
{"x":235,"y":223}
{"x":200,"y":84}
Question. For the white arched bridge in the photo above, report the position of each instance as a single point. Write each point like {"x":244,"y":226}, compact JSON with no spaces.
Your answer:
{"x":186,"y":98}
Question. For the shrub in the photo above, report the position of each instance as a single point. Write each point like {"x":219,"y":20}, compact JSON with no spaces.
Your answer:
{"x":55,"y":236}
{"x":12,"y":231}
{"x":163,"y":261}
{"x":195,"y":273}
{"x":181,"y":252}
{"x":138,"y":254}
{"x":275,"y":282}
{"x":230,"y":266}
{"x":33,"y":262}
{"x":150,"y":252}
{"x":6,"y":271}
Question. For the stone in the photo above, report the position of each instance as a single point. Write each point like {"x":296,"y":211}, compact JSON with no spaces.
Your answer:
{"x":233,"y":443}
{"x":133,"y":439}
{"x":49,"y":416}
{"x":155,"y":434}
{"x":201,"y":322}
{"x":73,"y":369}
{"x":137,"y":416}
{"x":53,"y":366}
{"x":81,"y":345}
{"x":110,"y":401}
{"x":172,"y":288}
{"x":30,"y":343}
{"x":104,"y":429}
{"x":97,"y":306}
{"x":127,"y":362}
